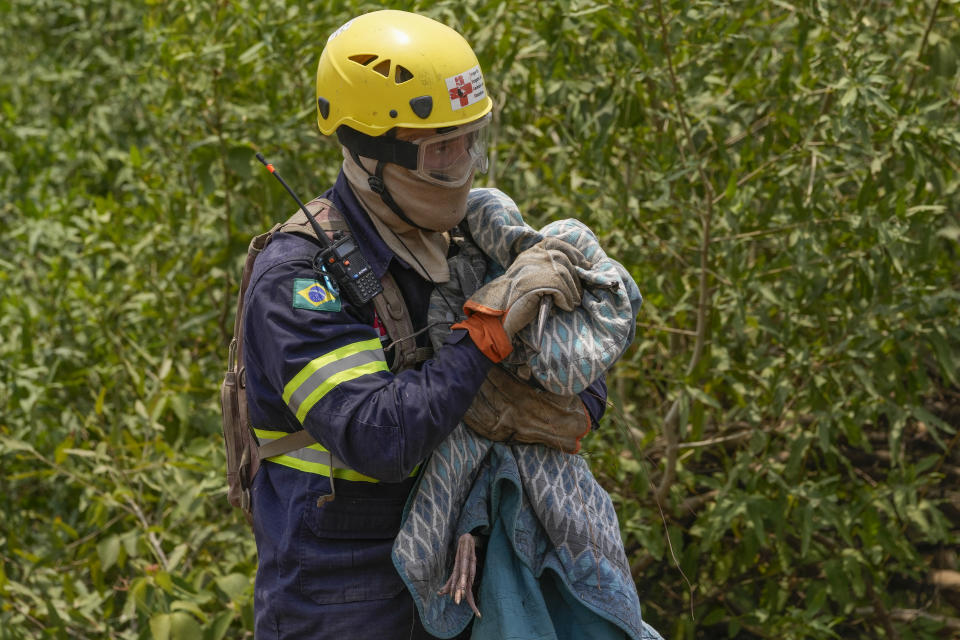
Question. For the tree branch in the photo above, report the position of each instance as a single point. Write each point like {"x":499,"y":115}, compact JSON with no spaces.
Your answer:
{"x":880,"y":610}
{"x":151,"y":535}
{"x":923,"y":43}
{"x":671,"y":427}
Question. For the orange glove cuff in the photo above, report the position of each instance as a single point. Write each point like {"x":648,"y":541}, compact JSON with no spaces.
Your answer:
{"x":589,"y":427}
{"x":485,"y":327}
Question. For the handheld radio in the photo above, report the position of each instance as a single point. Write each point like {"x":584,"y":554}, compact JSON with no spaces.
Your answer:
{"x":340,"y":259}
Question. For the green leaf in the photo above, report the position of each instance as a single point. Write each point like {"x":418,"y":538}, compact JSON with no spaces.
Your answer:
{"x":61,"y":452}
{"x":702,"y":397}
{"x":160,"y":626}
{"x":806,"y":529}
{"x":233,"y":585}
{"x":945,"y":356}
{"x":164,"y":581}
{"x":849,"y":97}
{"x":135,"y":158}
{"x":221,"y":625}
{"x":186,"y":605}
{"x":731,"y":188}
{"x":183,"y":626}
{"x":108,"y":550}
{"x":251,"y":53}
{"x":12,"y":444}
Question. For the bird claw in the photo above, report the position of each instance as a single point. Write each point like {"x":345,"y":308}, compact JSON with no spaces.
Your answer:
{"x":459,"y":585}
{"x":546,"y":303}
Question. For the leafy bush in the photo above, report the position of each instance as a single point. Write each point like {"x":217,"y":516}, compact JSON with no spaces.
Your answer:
{"x":782,"y":180}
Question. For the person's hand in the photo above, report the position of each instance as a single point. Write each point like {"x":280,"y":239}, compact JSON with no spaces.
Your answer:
{"x":548,"y":268}
{"x":510,"y":410}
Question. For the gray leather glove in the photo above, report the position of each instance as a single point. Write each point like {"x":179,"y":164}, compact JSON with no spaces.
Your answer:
{"x":546,"y":268}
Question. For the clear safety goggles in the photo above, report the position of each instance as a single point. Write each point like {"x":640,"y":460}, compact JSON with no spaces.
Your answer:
{"x":450,"y":158}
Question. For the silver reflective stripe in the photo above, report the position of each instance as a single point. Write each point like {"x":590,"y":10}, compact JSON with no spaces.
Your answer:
{"x":324,"y":373}
{"x":317,"y":457}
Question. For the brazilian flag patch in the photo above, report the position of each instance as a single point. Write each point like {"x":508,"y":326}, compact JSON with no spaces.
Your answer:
{"x":310,"y":294}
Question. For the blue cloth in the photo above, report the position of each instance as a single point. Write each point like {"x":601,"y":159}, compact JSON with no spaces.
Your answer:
{"x":517,"y":603}
{"x":554,"y":566}
{"x":550,"y":525}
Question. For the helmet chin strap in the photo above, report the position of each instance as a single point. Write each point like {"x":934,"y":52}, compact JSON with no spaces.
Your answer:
{"x":379,"y":187}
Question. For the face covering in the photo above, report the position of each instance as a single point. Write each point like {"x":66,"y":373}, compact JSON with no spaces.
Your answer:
{"x":433,"y":207}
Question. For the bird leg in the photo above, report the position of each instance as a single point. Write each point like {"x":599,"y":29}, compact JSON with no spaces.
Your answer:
{"x":460,"y":583}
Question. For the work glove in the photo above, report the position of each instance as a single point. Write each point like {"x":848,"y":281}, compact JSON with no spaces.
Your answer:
{"x":505,"y":305}
{"x":508,"y":409}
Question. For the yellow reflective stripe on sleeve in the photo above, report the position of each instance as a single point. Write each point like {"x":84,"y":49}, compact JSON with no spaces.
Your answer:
{"x":328,"y":384}
{"x":318,"y":363}
{"x":324,"y":373}
{"x":324,"y":470}
{"x":266,"y":434}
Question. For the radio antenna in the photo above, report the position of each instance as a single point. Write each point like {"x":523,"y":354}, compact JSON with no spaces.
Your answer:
{"x":321,"y":235}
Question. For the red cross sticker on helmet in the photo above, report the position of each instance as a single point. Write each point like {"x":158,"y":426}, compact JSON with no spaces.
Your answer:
{"x":466,"y":88}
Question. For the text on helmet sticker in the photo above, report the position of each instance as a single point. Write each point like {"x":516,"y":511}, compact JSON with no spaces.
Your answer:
{"x":466,"y":88}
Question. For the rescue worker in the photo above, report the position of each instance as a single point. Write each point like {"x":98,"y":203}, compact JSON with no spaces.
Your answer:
{"x":406,"y":97}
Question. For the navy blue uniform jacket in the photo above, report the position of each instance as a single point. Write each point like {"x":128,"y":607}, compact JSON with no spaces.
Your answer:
{"x":314,"y":361}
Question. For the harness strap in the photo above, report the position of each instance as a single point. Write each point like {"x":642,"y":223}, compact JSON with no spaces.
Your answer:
{"x":389,"y":305}
{"x":286,"y":444}
{"x":323,"y":212}
{"x":300,"y":451}
{"x":392,"y":311}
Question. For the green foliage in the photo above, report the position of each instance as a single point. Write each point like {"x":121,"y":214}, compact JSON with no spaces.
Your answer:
{"x":783,"y":181}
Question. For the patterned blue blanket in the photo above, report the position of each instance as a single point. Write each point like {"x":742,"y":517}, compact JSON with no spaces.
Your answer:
{"x":554,"y":563}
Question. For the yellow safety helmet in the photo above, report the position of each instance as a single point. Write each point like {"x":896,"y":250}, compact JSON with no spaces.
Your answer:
{"x":391,"y":69}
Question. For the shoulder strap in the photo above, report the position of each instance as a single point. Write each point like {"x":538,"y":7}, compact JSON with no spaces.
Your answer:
{"x":389,"y":305}
{"x":392,"y":311}
{"x":323,"y":212}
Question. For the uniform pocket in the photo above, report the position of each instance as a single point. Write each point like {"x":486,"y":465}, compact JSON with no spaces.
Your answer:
{"x":344,"y":554}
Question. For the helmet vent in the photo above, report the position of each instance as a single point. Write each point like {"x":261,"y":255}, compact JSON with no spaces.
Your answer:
{"x":364,"y":58}
{"x":402,"y":75}
{"x":383,"y":68}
